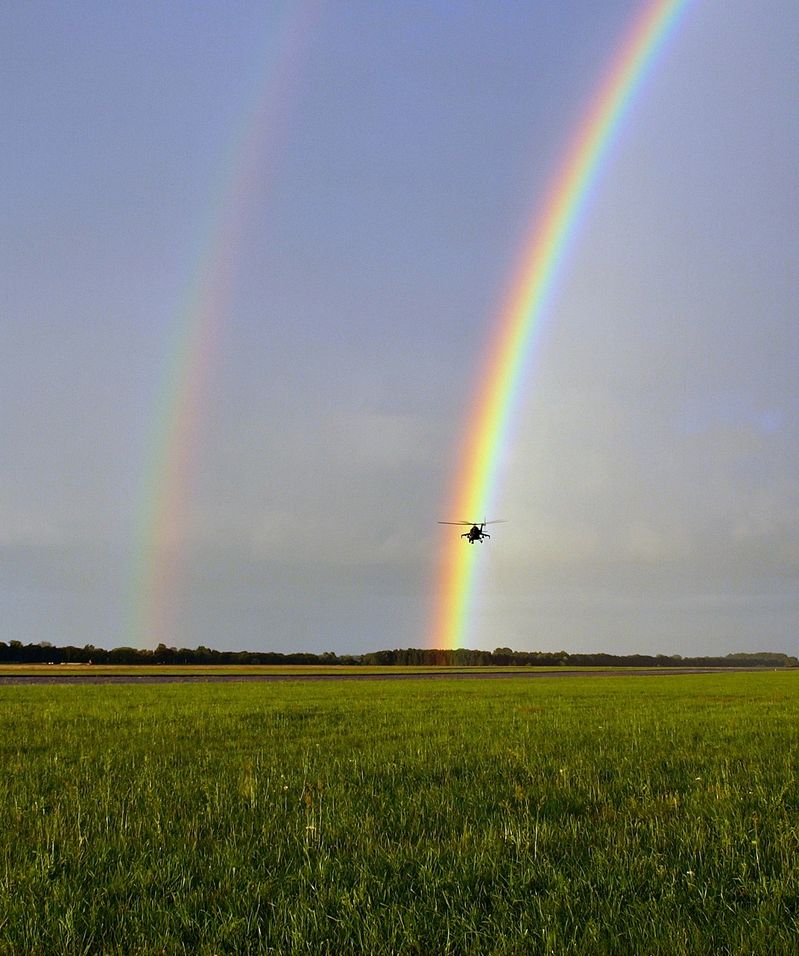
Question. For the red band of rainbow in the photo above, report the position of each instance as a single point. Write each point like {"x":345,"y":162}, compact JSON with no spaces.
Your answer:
{"x":516,"y":329}
{"x":164,"y":524}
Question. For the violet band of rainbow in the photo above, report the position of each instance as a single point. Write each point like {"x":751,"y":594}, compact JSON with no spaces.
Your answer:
{"x":179,"y":415}
{"x":516,"y":331}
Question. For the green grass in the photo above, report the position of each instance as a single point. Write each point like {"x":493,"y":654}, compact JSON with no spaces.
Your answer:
{"x":635,"y":815}
{"x":92,"y":671}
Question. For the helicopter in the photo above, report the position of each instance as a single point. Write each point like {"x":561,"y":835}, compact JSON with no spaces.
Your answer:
{"x":475,"y":532}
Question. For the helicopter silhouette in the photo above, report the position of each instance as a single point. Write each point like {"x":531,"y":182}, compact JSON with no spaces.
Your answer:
{"x":475,"y":532}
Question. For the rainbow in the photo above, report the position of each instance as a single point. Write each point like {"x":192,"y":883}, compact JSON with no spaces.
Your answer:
{"x":163,"y":515}
{"x":518,"y":327}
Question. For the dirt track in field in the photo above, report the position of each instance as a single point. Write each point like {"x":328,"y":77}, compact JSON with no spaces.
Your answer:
{"x":239,"y":678}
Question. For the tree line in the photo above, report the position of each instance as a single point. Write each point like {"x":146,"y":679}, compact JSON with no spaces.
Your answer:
{"x":44,"y":652}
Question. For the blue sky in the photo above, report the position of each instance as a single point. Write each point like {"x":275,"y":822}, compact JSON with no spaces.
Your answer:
{"x":651,"y":486}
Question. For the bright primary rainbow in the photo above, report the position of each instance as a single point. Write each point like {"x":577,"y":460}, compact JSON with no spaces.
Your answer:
{"x":162,"y":521}
{"x":519,"y":322}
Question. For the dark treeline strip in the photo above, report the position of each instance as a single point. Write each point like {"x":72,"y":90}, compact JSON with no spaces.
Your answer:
{"x":45,"y":653}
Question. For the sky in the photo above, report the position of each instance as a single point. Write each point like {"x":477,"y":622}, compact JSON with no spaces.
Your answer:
{"x":345,"y":188}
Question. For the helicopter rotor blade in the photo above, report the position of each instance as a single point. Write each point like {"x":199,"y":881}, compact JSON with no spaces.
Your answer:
{"x":476,"y":523}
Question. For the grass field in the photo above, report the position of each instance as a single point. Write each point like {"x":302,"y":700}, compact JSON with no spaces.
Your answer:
{"x":249,"y":670}
{"x":635,"y":815}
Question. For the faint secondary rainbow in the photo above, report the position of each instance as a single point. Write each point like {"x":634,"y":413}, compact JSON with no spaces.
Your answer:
{"x":163,"y":518}
{"x":514,"y":335}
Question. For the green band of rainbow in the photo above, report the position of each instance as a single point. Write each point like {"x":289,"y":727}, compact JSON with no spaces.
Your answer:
{"x":519,"y":322}
{"x":164,"y":526}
